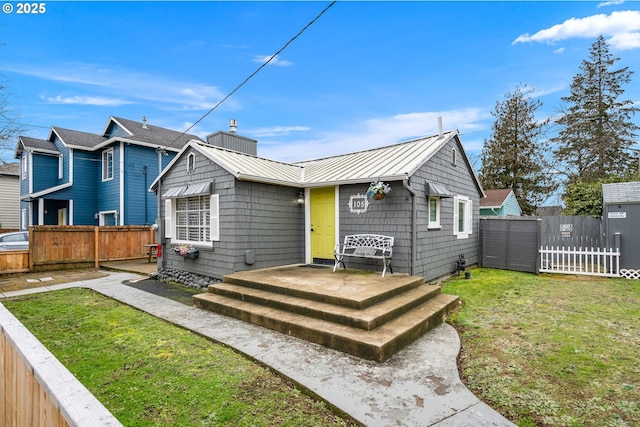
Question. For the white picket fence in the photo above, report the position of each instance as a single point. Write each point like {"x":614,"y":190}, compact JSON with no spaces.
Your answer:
{"x":593,"y":262}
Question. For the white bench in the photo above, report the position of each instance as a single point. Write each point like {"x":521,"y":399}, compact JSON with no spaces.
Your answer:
{"x":373,"y":246}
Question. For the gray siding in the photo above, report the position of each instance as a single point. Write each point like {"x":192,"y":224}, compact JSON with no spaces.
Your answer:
{"x":438,"y":250}
{"x":269,"y":222}
{"x":254,"y":217}
{"x":390,"y":216}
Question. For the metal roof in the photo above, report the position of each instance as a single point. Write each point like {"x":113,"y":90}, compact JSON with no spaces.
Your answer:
{"x":251,"y":168}
{"x":390,"y":163}
{"x":621,"y":192}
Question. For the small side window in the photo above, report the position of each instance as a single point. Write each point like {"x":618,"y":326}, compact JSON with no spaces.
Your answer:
{"x":24,"y":161}
{"x":434,"y":213}
{"x":191,"y":162}
{"x":454,"y":156}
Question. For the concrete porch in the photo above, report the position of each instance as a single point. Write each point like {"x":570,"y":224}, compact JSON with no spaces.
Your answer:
{"x":353,"y":311}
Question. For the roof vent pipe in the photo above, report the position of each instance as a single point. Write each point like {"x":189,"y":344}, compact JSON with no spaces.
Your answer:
{"x":144,"y":122}
{"x":439,"y":126}
{"x":233,"y":126}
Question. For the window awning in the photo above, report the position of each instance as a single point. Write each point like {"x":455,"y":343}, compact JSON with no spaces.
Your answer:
{"x":174,"y":192}
{"x":437,"y":190}
{"x":198,"y":189}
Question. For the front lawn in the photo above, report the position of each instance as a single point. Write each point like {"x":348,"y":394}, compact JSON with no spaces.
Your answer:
{"x":148,"y":372}
{"x":551,"y":350}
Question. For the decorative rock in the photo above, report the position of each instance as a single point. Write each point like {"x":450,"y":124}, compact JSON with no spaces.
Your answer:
{"x":185,"y":278}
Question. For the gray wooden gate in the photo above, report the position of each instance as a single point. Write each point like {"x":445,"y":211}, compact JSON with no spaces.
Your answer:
{"x":510,"y":243}
{"x":572,"y":232}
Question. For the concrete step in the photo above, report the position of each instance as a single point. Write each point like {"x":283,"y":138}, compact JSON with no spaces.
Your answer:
{"x":348,"y":288}
{"x":368,"y":318}
{"x":378,"y":344}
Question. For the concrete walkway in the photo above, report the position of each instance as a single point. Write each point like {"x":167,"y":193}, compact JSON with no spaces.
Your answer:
{"x":419,"y":386}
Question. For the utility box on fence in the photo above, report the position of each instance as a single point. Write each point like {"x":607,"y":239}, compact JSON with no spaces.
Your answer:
{"x":621,"y":218}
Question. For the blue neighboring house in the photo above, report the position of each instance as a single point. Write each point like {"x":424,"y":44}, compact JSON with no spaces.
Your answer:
{"x":80,"y":178}
{"x":500,"y":203}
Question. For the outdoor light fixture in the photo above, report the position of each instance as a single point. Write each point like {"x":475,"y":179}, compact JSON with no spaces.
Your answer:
{"x":300,"y":200}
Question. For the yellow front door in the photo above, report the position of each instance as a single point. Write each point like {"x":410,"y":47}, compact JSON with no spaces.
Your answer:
{"x":323,"y":222}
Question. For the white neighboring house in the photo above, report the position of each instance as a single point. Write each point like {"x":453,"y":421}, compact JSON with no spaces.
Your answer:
{"x":10,"y":195}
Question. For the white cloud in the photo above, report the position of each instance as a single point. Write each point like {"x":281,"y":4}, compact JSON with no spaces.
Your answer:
{"x":622,"y":28}
{"x":277,"y":131}
{"x":626,"y":41}
{"x":610,"y":3}
{"x":274,"y":60}
{"x":165,"y":92}
{"x":559,"y":50}
{"x":372,"y":133}
{"x":87,"y":100}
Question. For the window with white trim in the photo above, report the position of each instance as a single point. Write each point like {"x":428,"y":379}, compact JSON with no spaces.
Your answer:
{"x":194,"y":220}
{"x":107,"y":164}
{"x":434,"y":213}
{"x":462,"y":217}
{"x":60,"y":166}
{"x":24,"y":161}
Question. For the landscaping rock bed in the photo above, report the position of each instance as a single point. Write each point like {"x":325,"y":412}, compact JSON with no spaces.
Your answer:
{"x":185,"y":278}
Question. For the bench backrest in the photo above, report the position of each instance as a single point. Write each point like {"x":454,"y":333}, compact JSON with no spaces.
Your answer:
{"x":366,"y":242}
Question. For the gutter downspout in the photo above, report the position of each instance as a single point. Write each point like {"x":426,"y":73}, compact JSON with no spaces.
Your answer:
{"x":414,"y":219}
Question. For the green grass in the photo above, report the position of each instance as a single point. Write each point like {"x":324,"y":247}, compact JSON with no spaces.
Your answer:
{"x":551,"y":350}
{"x":148,"y":372}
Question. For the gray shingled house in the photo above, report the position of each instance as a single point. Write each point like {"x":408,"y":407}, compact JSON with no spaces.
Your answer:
{"x":224,"y":209}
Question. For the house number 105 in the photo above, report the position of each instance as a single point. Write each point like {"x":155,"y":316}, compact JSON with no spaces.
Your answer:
{"x":358,"y":204}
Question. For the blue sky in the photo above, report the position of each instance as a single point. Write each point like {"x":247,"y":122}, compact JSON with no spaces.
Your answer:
{"x":366,"y":74}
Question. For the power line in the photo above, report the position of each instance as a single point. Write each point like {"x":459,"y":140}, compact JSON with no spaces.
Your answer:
{"x":251,"y":76}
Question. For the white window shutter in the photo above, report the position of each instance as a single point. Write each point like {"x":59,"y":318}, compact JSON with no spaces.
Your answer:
{"x":168,"y":223}
{"x":215,"y":218}
{"x":455,"y":216}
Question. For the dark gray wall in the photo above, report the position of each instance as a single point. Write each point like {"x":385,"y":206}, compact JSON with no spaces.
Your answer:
{"x":572,"y":231}
{"x":510,"y":243}
{"x":437,"y":250}
{"x":390,"y":216}
{"x":261,"y":218}
{"x":268,"y":222}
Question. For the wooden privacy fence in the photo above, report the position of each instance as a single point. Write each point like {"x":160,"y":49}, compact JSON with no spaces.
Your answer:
{"x":510,"y":243}
{"x":36,"y":389}
{"x":592,"y":262}
{"x":59,"y":247}
{"x":14,"y":261}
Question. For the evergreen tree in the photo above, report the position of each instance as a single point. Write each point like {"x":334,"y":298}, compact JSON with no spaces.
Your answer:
{"x":514,"y":155}
{"x":596,"y":127}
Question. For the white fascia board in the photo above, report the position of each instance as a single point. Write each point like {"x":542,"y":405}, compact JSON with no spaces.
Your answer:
{"x":113,"y":119}
{"x":47,"y":191}
{"x":191,"y":143}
